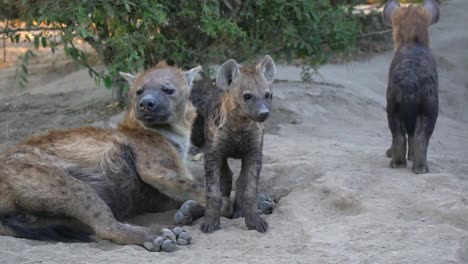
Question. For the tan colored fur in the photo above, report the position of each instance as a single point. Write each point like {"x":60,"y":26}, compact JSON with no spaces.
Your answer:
{"x":410,"y":24}
{"x":89,"y":174}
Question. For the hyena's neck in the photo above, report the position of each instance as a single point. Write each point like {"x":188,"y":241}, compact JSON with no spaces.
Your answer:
{"x":178,"y":136}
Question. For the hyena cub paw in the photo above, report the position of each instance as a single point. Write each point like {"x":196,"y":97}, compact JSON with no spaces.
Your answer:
{"x":168,"y":240}
{"x":256,"y":222}
{"x":188,"y":212}
{"x":398,"y":164}
{"x":209,"y":224}
{"x":420,"y":168}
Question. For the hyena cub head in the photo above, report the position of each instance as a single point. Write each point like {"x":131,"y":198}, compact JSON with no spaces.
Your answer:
{"x":160,"y":95}
{"x":248,"y":88}
{"x":410,"y":23}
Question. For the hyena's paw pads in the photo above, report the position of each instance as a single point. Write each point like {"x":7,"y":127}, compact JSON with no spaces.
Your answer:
{"x":210,"y":225}
{"x":168,"y":240}
{"x":398,"y":164}
{"x":256,"y":222}
{"x":188,"y":212}
{"x":265,"y":203}
{"x":182,"y":236}
{"x":420,"y":169}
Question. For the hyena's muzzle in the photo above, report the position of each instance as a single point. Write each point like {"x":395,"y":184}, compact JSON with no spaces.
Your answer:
{"x":153,"y":108}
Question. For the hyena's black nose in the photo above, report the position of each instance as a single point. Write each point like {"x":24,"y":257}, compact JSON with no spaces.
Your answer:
{"x":264,"y":115}
{"x":148,"y":104}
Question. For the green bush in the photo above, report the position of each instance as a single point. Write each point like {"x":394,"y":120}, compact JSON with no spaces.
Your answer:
{"x":131,"y":35}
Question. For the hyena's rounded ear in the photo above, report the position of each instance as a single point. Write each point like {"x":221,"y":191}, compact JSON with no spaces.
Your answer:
{"x":190,"y":75}
{"x":130,"y":78}
{"x":433,"y":8}
{"x":267,"y":67}
{"x":227,"y":73}
{"x":389,"y":10}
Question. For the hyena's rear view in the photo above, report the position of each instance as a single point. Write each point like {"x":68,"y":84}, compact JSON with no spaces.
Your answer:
{"x":412,"y":93}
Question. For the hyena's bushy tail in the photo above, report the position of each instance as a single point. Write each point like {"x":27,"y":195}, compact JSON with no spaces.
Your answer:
{"x":17,"y":226}
{"x":409,"y":113}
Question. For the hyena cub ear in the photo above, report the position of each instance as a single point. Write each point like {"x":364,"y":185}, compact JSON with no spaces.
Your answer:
{"x":267,"y":67}
{"x":389,"y":10}
{"x":130,"y":78}
{"x":227,"y":73}
{"x":433,"y":8}
{"x":190,"y":75}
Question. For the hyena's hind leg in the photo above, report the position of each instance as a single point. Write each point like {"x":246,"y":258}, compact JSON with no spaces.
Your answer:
{"x":411,"y":147}
{"x":49,"y":190}
{"x":424,"y":127}
{"x":398,"y":153}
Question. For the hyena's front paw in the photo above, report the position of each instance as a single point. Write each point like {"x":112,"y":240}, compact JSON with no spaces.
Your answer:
{"x":420,"y":168}
{"x":189,"y":211}
{"x":209,"y":224}
{"x":398,"y":164}
{"x":256,"y":222}
{"x":168,"y":240}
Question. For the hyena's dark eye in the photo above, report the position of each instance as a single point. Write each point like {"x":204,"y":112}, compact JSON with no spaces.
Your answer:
{"x":168,"y":90}
{"x":267,"y":95}
{"x":139,"y":91}
{"x":247,"y":96}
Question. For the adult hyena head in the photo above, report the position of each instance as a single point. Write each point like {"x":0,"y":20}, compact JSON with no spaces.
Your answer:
{"x":160,"y":96}
{"x":248,"y":88}
{"x":411,"y":23}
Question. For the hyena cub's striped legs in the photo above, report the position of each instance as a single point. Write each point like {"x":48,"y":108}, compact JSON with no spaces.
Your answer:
{"x":192,"y":210}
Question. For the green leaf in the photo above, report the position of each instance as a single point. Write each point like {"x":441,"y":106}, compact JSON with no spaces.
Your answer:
{"x":108,"y":82}
{"x":36,"y":42}
{"x":44,"y":42}
{"x":17,"y":38}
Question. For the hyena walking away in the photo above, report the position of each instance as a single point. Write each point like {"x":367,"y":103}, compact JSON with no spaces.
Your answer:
{"x":229,"y":125}
{"x":86,"y":179}
{"x":412,"y":93}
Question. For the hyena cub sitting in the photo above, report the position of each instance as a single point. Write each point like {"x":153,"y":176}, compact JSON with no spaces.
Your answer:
{"x":412,"y":93}
{"x":229,"y":125}
{"x":85,"y":180}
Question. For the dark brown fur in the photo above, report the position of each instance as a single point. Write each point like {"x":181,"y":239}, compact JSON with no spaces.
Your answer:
{"x":229,"y":126}
{"x":95,"y":177}
{"x":412,"y":94}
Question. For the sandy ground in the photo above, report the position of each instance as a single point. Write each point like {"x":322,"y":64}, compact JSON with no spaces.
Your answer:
{"x":324,"y":159}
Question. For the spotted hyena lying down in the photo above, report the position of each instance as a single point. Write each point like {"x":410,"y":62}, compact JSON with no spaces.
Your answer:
{"x":69,"y":184}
